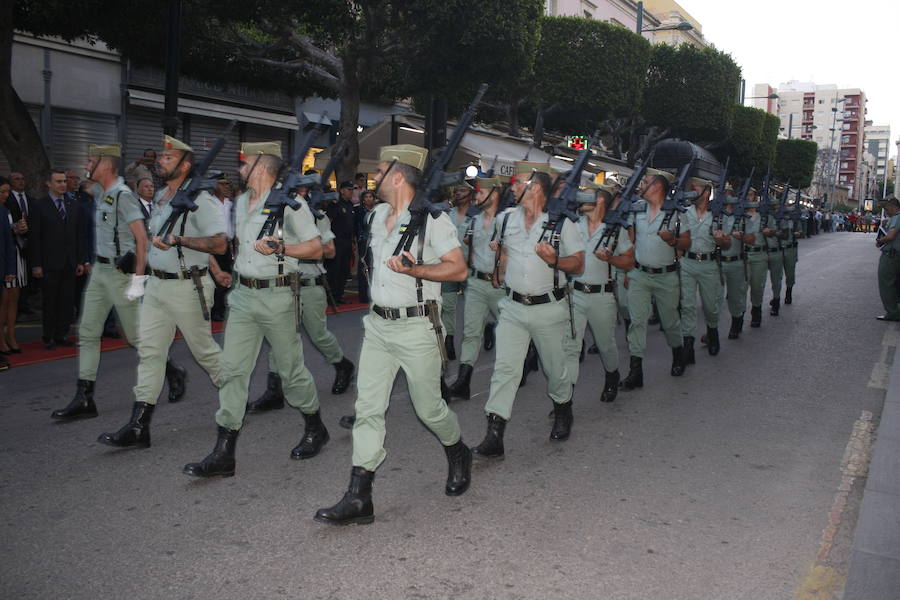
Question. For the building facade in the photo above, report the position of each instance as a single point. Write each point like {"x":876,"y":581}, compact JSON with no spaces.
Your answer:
{"x":878,"y":144}
{"x":656,"y":14}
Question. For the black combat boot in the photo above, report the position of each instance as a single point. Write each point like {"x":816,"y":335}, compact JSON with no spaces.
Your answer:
{"x":460,"y":388}
{"x":489,"y":337}
{"x":775,"y":303}
{"x":755,"y":316}
{"x":355,"y":508}
{"x":678,"y":362}
{"x":219,"y":463}
{"x":492,"y":444}
{"x":610,"y":386}
{"x":343,"y":373}
{"x":459,"y":468}
{"x":562,"y":421}
{"x":136,"y":432}
{"x":449,"y":346}
{"x":272,"y":398}
{"x":689,"y":350}
{"x":314,"y":437}
{"x":712,"y":340}
{"x":788,"y":298}
{"x":176,"y":377}
{"x":635,"y":377}
{"x":347,"y":421}
{"x":82,"y":405}
{"x":531,"y":363}
{"x":737,"y":324}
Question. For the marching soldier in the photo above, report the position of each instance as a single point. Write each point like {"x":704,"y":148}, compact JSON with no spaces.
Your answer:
{"x":757,"y":256}
{"x":119,"y":232}
{"x":452,"y":290}
{"x":265,"y":303}
{"x":178,"y":275}
{"x":655,"y":276}
{"x":535,"y":306}
{"x":594,"y":296}
{"x":794,"y":231}
{"x":774,"y":232}
{"x":889,"y":261}
{"x":734,"y":266}
{"x":481,"y":296}
{"x":400,"y":333}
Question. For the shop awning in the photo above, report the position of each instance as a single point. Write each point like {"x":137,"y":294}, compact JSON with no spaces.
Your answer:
{"x":218,"y":111}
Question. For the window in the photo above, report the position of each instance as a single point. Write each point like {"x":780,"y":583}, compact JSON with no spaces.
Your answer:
{"x":845,"y":139}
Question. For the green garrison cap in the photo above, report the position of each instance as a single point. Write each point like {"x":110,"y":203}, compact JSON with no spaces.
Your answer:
{"x":170,"y":143}
{"x":256,"y":148}
{"x":609,"y":189}
{"x":592,"y":185}
{"x":105,"y":150}
{"x":668,"y":176}
{"x":486,"y":183}
{"x":408,"y":154}
{"x":586,"y":197}
{"x":700,"y":182}
{"x":527,"y":166}
{"x":729,"y":188}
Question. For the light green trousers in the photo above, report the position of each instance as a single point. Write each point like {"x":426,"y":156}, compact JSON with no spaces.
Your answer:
{"x":314,"y":321}
{"x":409,"y":344}
{"x":254,"y":314}
{"x":759,"y":266}
{"x":790,"y":266}
{"x":702,"y":276}
{"x":599,"y":310}
{"x":171,"y":303}
{"x":450,"y":292}
{"x":776,"y":271}
{"x":622,"y":295}
{"x":735,"y":287}
{"x":642,"y":287}
{"x":105,"y":290}
{"x":547,"y":325}
{"x":481,"y":298}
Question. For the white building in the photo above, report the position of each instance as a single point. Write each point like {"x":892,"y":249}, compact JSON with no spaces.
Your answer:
{"x":878,"y":144}
{"x":656,"y":14}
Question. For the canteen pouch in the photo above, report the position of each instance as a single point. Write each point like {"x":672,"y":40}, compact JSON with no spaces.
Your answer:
{"x":125,"y":263}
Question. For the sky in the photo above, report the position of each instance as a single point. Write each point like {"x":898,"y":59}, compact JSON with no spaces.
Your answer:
{"x":855,"y":43}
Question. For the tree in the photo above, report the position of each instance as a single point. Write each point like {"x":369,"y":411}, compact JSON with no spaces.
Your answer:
{"x":795,"y":161}
{"x":751,"y":143}
{"x":692,"y":91}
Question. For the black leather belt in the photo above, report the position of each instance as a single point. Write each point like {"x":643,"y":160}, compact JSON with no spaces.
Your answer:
{"x":104,"y":260}
{"x":556,"y":294}
{"x":593,"y":288}
{"x":320,"y":280}
{"x":308,"y":261}
{"x":731,"y":258}
{"x":755,"y":248}
{"x":393,"y":314}
{"x":182,"y":275}
{"x":701,"y":255}
{"x":261,"y":284}
{"x":788,"y":245}
{"x":482,"y":275}
{"x":655,"y":270}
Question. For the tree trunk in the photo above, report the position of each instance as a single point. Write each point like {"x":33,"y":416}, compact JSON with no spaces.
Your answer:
{"x":350,"y":98}
{"x":19,"y":138}
{"x":512,"y":117}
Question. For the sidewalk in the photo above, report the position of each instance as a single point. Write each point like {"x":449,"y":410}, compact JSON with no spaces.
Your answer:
{"x":875,"y":564}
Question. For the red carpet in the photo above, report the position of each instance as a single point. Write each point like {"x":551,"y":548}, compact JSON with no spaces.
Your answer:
{"x":34,"y":353}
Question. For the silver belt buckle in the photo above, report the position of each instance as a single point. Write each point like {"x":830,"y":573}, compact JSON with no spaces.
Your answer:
{"x":526,"y":300}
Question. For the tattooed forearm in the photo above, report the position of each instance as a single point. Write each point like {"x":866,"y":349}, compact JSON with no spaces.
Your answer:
{"x":215,"y":244}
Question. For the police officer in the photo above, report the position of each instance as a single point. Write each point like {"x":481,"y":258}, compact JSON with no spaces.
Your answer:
{"x":264,"y":303}
{"x":119,"y":231}
{"x":482,"y":297}
{"x":594,"y":294}
{"x":534,"y":308}
{"x":400,"y":334}
{"x":177,"y":292}
{"x":654,"y":275}
{"x":451,"y":290}
{"x":889,"y":262}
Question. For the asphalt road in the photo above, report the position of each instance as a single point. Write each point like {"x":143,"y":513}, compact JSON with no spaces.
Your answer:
{"x":716,"y":485}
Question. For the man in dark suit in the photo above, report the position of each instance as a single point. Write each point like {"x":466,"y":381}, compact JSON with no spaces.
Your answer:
{"x":19,"y":207}
{"x":343,"y":225}
{"x":56,"y":256}
{"x":85,"y":204}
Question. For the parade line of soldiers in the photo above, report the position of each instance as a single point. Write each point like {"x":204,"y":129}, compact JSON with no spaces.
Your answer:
{"x":527,"y":294}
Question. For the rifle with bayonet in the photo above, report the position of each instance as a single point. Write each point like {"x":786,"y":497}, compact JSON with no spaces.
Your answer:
{"x":617,"y":218}
{"x":739,"y":212}
{"x":717,"y":209}
{"x":677,"y":199}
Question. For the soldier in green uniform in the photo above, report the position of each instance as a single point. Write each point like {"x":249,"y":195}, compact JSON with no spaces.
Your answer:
{"x":482,"y":298}
{"x":265,"y":302}
{"x":461,"y":195}
{"x":654,"y":276}
{"x":594,"y":294}
{"x":315,"y":301}
{"x":119,"y":231}
{"x":794,"y":232}
{"x":757,"y":257}
{"x":400,"y":334}
{"x":889,"y":261}
{"x":534,"y":308}
{"x":178,"y":264}
{"x":773,"y":231}
{"x":735,"y":262}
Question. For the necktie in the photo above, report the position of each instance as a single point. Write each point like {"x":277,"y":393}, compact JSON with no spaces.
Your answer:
{"x":61,"y":208}
{"x":23,"y":205}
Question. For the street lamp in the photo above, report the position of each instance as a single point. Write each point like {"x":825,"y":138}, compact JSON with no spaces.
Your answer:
{"x":639,"y":25}
{"x":834,"y":122}
{"x":772,"y":96}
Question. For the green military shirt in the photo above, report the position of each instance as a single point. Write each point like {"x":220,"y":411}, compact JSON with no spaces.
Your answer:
{"x":298,"y":227}
{"x":462,"y":224}
{"x":526,"y":272}
{"x":771,"y":223}
{"x":701,"y":230}
{"x":597,"y":271}
{"x":728,"y":226}
{"x":396,"y":290}
{"x":893,"y":223}
{"x":751,"y":225}
{"x":117,"y":202}
{"x":483,"y":258}
{"x":649,"y":249}
{"x":314,"y":269}
{"x":206,"y":221}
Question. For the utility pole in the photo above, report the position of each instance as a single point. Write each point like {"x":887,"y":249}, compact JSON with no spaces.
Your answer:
{"x":173,"y":58}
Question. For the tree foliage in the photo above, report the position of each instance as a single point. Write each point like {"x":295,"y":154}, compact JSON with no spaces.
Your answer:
{"x":751,"y":143}
{"x":795,"y":161}
{"x":692,"y":91}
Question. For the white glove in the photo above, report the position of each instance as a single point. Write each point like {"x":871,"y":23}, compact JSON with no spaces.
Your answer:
{"x":135,"y":288}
